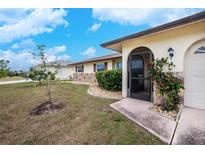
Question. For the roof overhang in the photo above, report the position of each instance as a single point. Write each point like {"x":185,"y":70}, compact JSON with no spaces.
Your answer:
{"x":98,"y":59}
{"x":116,"y":44}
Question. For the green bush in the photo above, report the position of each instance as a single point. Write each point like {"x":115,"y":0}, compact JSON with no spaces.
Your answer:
{"x":52,"y":76}
{"x":110,"y":80}
{"x":168,"y":84}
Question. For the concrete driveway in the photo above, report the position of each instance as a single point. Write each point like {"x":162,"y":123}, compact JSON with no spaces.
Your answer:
{"x":191,"y":127}
{"x":17,"y":81}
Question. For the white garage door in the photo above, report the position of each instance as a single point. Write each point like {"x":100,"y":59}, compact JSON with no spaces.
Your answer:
{"x":195,"y":77}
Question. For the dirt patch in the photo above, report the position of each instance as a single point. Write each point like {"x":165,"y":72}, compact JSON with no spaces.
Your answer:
{"x":47,"y":108}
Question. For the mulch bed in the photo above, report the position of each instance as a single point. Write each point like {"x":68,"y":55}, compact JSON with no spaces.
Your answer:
{"x":96,"y":91}
{"x":47,"y":108}
{"x":171,"y":114}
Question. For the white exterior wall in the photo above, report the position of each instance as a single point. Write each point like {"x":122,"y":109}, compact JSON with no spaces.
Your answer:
{"x":66,"y":72}
{"x":180,"y":39}
{"x":109,"y":65}
{"x":88,"y":67}
{"x":114,"y":62}
{"x":63,"y":73}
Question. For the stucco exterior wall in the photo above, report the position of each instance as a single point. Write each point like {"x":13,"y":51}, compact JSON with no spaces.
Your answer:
{"x":180,"y":39}
{"x":89,"y":67}
{"x":63,"y":73}
{"x":114,"y":62}
{"x":89,"y":75}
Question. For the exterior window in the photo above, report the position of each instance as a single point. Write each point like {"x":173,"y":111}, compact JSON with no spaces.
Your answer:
{"x":100,"y":67}
{"x":200,"y":50}
{"x":80,"y":68}
{"x":119,"y":65}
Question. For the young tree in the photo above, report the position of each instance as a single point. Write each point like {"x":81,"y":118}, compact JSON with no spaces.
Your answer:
{"x":42,"y":73}
{"x":4,"y":68}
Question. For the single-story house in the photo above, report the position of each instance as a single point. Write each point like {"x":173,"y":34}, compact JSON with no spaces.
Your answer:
{"x":84,"y":71}
{"x":182,"y":40}
{"x":62,"y":69}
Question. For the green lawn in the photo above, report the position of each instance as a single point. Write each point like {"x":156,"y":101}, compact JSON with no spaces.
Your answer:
{"x":85,"y":120}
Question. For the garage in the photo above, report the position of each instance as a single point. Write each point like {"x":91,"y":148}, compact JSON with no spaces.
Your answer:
{"x":195,"y":76}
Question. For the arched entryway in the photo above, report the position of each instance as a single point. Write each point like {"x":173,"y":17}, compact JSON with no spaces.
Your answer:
{"x":194,"y":76}
{"x":139,"y":83}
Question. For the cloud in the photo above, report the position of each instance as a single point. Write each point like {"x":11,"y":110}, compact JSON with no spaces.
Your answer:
{"x":56,"y":50}
{"x":21,"y":60}
{"x":22,"y":23}
{"x":24,"y":59}
{"x":11,"y":16}
{"x":141,"y":16}
{"x":94,"y":27}
{"x":90,"y":52}
{"x":26,"y":43}
{"x":52,"y":58}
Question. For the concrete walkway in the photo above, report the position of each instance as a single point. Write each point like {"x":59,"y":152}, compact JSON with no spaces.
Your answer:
{"x":17,"y":81}
{"x":189,"y":130}
{"x":139,"y":112}
{"x":191,"y":127}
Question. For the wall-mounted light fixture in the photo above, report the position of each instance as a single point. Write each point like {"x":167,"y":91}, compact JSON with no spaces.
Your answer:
{"x":171,"y":52}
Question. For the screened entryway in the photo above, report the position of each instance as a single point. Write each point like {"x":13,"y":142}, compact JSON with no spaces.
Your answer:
{"x":139,"y":82}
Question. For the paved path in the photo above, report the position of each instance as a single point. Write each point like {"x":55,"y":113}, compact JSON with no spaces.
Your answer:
{"x":139,"y":112}
{"x":17,"y":81}
{"x":189,"y":130}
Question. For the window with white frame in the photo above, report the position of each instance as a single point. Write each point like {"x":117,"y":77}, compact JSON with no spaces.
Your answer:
{"x":80,"y":68}
{"x":119,"y":65}
{"x":100,"y":67}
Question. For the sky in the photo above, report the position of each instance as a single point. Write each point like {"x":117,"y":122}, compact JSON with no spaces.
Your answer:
{"x":72,"y":34}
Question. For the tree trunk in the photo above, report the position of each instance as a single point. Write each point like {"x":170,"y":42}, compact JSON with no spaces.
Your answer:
{"x":49,"y":90}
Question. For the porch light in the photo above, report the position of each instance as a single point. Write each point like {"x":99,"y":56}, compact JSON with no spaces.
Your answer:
{"x":171,"y":53}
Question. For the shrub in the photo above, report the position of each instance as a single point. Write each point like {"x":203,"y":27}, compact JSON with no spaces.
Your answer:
{"x":110,"y":80}
{"x":40,"y":75}
{"x":52,"y":76}
{"x":168,"y":85}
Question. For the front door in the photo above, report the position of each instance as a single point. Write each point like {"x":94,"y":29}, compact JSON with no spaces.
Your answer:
{"x":139,"y":82}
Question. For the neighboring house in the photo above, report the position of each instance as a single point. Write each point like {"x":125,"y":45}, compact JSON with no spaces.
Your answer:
{"x":85,"y":70}
{"x":184,"y":39}
{"x":62,"y":70}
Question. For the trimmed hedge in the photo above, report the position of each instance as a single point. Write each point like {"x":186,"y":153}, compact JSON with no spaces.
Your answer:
{"x":110,"y":80}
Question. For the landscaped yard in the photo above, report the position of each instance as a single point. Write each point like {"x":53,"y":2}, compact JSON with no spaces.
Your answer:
{"x":84,"y":120}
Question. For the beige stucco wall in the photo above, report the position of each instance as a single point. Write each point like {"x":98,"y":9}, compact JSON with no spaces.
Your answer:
{"x":63,"y":73}
{"x":180,"y":39}
{"x":88,"y":68}
{"x":114,"y":63}
{"x":111,"y":64}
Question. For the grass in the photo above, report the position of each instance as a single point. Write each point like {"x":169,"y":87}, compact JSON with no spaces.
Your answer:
{"x":85,"y":120}
{"x":11,"y":78}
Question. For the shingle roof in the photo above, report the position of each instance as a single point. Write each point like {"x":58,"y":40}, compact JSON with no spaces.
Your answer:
{"x":111,"y":56}
{"x":180,"y":22}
